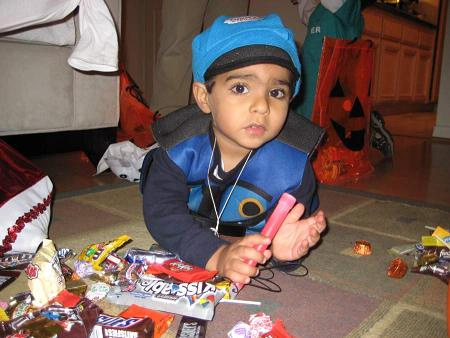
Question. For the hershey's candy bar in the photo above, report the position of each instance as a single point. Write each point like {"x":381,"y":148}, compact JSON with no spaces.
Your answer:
{"x":191,"y":328}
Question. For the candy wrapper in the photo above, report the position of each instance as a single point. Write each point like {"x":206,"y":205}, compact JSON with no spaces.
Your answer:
{"x":54,"y":321}
{"x":19,"y":304}
{"x":16,"y":261}
{"x":45,"y":278}
{"x":442,"y":235}
{"x":160,"y":261}
{"x":260,"y":326}
{"x":432,"y":260}
{"x":101,"y":256}
{"x":161,"y":320}
{"x":397,"y":268}
{"x":191,"y":327}
{"x":158,"y":280}
{"x":155,"y":255}
{"x":195,"y":299}
{"x":278,"y":331}
{"x":116,"y":326}
{"x":7,"y":277}
{"x":182,"y":271}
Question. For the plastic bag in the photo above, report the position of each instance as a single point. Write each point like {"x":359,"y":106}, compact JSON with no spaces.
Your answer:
{"x":135,"y":116}
{"x":124,"y":159}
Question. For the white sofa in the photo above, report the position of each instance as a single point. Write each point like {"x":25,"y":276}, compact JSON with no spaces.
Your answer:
{"x":41,"y":93}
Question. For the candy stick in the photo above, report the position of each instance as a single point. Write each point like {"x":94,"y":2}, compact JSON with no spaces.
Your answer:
{"x":285,"y":204}
{"x":238,"y":301}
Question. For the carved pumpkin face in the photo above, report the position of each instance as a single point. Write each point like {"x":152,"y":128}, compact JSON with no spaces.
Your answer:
{"x":342,"y":106}
{"x":347,"y":118}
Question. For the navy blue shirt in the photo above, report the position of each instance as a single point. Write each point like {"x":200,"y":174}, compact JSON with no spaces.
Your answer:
{"x":180,"y":166}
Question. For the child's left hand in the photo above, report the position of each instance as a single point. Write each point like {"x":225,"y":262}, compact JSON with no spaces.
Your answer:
{"x":295,"y":237}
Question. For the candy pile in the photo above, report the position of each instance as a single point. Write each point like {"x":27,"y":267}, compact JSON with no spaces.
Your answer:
{"x":65,"y":289}
{"x":431,"y":256}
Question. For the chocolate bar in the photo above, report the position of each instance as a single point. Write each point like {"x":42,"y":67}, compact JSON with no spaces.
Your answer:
{"x":114,"y":326}
{"x":16,"y":261}
{"x":191,"y":328}
{"x":7,"y":277}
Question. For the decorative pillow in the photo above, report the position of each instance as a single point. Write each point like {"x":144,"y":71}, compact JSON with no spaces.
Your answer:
{"x":25,"y":201}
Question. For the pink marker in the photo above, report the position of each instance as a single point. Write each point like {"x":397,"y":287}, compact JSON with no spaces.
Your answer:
{"x":285,"y":204}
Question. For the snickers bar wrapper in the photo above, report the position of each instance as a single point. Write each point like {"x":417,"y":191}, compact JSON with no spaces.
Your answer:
{"x":45,"y":278}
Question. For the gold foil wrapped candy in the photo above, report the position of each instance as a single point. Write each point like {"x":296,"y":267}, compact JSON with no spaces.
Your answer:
{"x":362,"y":248}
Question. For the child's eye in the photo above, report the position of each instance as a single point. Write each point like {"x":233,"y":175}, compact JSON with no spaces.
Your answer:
{"x":239,"y":89}
{"x":278,"y":93}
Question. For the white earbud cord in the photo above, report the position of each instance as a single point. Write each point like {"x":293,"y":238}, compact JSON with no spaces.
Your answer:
{"x":216,"y":229}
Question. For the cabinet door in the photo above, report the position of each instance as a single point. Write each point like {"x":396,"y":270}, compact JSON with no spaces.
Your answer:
{"x":388,"y":71}
{"x":407,"y":73}
{"x":423,"y":76}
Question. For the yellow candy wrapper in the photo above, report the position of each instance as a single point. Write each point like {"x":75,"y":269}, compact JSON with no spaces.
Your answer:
{"x":3,"y":316}
{"x":442,"y":236}
{"x":101,"y":253}
{"x":431,"y":241}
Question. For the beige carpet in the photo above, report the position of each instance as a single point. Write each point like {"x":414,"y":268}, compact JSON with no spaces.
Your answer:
{"x":343,"y":296}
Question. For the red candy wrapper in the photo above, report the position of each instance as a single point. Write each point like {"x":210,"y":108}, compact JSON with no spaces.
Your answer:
{"x":161,"y":321}
{"x":182,"y":271}
{"x":278,"y":331}
{"x":260,"y":326}
{"x":397,"y":268}
{"x":66,"y":298}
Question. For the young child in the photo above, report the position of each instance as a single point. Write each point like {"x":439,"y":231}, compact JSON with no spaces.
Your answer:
{"x":225,"y":162}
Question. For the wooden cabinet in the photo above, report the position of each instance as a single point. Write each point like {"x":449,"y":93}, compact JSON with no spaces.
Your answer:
{"x":390,"y":53}
{"x":423,"y":77}
{"x":403,"y":58}
{"x":407,"y":69}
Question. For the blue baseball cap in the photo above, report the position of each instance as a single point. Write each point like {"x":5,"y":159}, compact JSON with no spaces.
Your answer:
{"x":235,"y":42}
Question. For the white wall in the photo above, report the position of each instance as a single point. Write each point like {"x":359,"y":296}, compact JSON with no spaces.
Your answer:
{"x":442,"y":128}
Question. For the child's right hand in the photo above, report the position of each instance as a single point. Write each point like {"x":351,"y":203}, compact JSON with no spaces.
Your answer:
{"x":231,"y":260}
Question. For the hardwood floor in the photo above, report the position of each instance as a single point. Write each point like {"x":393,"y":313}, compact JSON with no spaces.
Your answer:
{"x":419,"y":170}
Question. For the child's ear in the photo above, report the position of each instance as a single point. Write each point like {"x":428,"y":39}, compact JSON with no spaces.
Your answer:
{"x":201,"y":96}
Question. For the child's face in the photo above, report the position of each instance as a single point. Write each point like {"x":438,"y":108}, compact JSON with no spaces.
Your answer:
{"x":249,"y":106}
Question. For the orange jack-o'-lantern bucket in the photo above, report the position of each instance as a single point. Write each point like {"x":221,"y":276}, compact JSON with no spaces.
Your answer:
{"x":342,"y":106}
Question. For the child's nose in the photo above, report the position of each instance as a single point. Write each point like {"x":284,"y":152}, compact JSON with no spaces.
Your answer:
{"x":260,"y":104}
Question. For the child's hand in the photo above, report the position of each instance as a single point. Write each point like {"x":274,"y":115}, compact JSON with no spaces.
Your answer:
{"x":296,"y":236}
{"x":231,"y":260}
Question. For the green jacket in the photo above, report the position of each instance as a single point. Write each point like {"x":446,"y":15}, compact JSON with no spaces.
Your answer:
{"x":346,"y":23}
